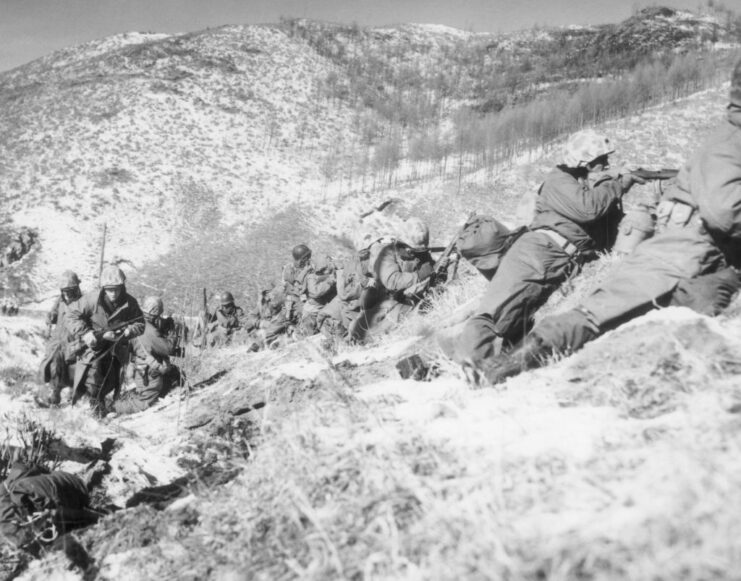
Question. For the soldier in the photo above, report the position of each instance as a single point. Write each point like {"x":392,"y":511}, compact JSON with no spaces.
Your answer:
{"x":225,"y":321}
{"x":698,"y":233}
{"x":294,"y":280}
{"x":577,"y":211}
{"x":58,"y":366}
{"x":402,"y":271}
{"x":272,"y":313}
{"x":105,"y":320}
{"x":291,"y":291}
{"x":154,"y":374}
{"x":321,"y":288}
{"x":36,"y":506}
{"x":352,"y":279}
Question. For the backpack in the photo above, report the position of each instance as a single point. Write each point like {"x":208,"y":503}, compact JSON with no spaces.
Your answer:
{"x":484,"y":241}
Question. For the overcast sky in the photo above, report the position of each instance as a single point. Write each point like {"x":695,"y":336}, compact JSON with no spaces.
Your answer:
{"x":32,"y":28}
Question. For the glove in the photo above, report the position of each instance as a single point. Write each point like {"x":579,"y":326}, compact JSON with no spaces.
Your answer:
{"x":89,"y":339}
{"x":628,"y":180}
{"x":109,"y":336}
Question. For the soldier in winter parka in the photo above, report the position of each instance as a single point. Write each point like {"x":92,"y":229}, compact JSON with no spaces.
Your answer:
{"x":105,"y":320}
{"x":58,"y":366}
{"x":577,"y":212}
{"x":698,"y":234}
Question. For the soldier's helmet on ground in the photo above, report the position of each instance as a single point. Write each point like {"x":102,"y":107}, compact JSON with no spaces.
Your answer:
{"x":112,"y":276}
{"x":153,"y":306}
{"x":226,"y":298}
{"x":584,"y":147}
{"x":416,"y":233}
{"x":69,"y":280}
{"x":301,"y":252}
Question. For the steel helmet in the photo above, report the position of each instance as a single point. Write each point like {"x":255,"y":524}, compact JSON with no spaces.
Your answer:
{"x":301,"y":251}
{"x":112,"y":276}
{"x":226,"y":298}
{"x":153,"y":306}
{"x":68,"y":280}
{"x":416,"y":233}
{"x":584,"y":147}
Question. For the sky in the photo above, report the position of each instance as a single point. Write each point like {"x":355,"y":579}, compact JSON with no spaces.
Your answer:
{"x":30,"y":29}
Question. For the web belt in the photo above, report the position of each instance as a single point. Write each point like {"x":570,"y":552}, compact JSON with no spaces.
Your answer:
{"x":563,"y":243}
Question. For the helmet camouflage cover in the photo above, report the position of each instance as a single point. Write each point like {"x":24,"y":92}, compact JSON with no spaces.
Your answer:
{"x":153,"y":306}
{"x":416,"y":233}
{"x":584,"y":147}
{"x":112,"y":276}
{"x":68,"y":280}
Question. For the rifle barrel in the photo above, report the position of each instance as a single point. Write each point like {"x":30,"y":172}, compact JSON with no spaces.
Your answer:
{"x":660,"y":174}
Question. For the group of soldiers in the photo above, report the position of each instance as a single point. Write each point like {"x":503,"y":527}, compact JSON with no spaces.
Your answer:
{"x":349,"y":299}
{"x":98,"y":338}
{"x":690,"y":260}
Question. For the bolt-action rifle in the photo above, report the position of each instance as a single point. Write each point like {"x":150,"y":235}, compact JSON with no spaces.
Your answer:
{"x":659,"y":174}
{"x":440,"y":269}
{"x":117,"y":329}
{"x":98,"y":352}
{"x":442,"y":262}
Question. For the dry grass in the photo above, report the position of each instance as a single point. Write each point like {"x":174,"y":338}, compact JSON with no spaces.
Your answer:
{"x":342,"y":487}
{"x":24,"y":439}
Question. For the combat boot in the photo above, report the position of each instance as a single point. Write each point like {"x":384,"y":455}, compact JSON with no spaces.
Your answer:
{"x":531,"y":353}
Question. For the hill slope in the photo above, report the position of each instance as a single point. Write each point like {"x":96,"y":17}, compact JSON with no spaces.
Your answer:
{"x":620,"y":462}
{"x":165,"y":137}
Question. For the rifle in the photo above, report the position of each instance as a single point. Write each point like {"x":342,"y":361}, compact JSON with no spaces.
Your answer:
{"x":442,"y":261}
{"x":440,"y":264}
{"x":659,"y":174}
{"x":99,"y":353}
{"x":117,"y":328}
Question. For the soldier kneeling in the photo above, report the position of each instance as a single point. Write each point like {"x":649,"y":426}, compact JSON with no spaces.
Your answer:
{"x":154,"y":375}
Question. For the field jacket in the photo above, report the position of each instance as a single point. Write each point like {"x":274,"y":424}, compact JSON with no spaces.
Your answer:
{"x":584,"y":209}
{"x":93,"y":313}
{"x":711,"y":180}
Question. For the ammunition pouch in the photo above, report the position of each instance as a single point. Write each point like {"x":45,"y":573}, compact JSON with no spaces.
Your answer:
{"x":673,"y":214}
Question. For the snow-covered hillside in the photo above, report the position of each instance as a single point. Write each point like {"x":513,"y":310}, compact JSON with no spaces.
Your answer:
{"x":162,"y":137}
{"x":312,"y":463}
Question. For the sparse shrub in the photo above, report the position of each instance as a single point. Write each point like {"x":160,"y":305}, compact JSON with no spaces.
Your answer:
{"x":27,"y":440}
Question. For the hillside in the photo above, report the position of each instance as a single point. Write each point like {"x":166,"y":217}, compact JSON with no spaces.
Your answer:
{"x":255,"y":138}
{"x":307,"y":463}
